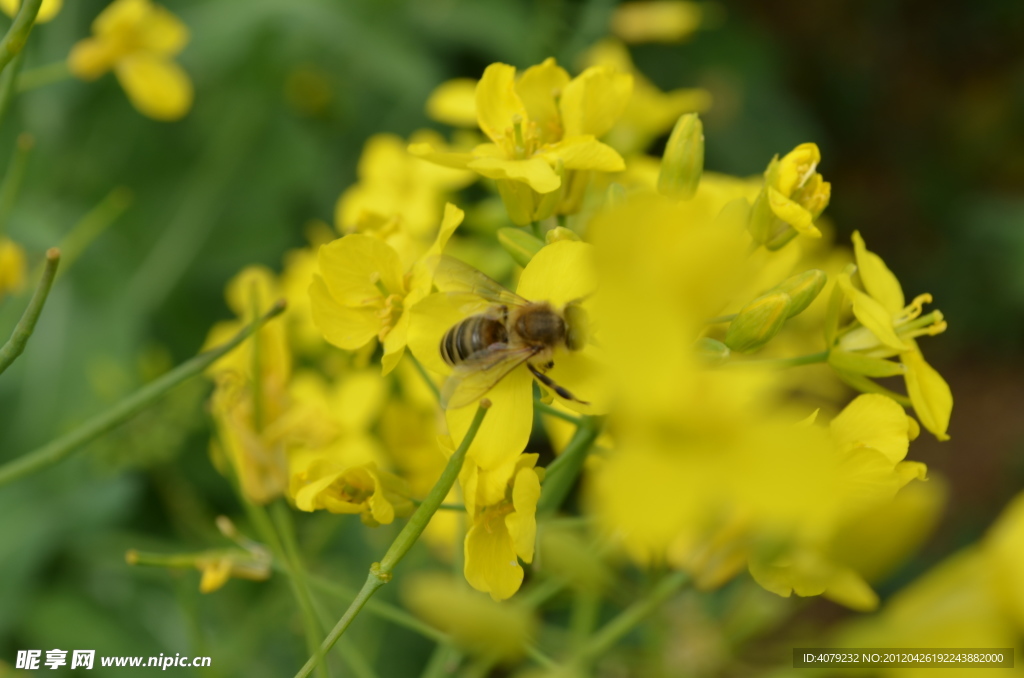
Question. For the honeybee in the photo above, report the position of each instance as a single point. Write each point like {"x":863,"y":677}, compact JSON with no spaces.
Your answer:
{"x":508,"y":332}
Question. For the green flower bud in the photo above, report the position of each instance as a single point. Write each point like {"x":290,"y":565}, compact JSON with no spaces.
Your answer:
{"x":758,"y":322}
{"x":711,"y":351}
{"x":519,"y":244}
{"x":683,"y":162}
{"x":802,"y":289}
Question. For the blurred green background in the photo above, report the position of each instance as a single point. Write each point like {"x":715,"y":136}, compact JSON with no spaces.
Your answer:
{"x":918,"y":109}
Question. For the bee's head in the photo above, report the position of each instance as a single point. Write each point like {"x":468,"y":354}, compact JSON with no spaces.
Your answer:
{"x":577,"y":326}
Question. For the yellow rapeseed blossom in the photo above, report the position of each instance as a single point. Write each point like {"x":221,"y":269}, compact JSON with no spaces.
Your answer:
{"x":650,"y":112}
{"x":559,"y":274}
{"x":543,"y":129}
{"x":363,"y":291}
{"x":47,"y":10}
{"x":251,"y":400}
{"x":887,"y":326}
{"x":399,"y":198}
{"x":453,"y":102}
{"x":502,"y":504}
{"x":793,"y":196}
{"x":656,"y":20}
{"x":138,"y":40}
{"x":12,"y":267}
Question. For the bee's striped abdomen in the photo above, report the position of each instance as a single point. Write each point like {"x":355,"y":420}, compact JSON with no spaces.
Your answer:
{"x":470,"y":336}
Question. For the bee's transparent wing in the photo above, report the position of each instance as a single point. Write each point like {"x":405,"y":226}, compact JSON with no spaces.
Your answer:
{"x":473,"y":378}
{"x":461,"y":281}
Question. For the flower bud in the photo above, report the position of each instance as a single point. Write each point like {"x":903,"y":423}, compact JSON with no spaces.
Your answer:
{"x":683,"y":163}
{"x":519,"y":244}
{"x":758,"y":322}
{"x":711,"y":351}
{"x":802,"y":289}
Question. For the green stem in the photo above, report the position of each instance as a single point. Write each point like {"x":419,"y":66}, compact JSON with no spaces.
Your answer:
{"x":62,"y":447}
{"x":783,"y":362}
{"x":617,"y":628}
{"x":297,"y":575}
{"x":381,"y":573}
{"x":561,"y":474}
{"x":534,"y":653}
{"x":9,"y":82}
{"x":544,"y":408}
{"x":721,"y":319}
{"x":12,"y":179}
{"x":93,"y":224}
{"x":426,"y":376}
{"x":17,"y":34}
{"x":537,"y":231}
{"x":41,"y":76}
{"x":23,"y":330}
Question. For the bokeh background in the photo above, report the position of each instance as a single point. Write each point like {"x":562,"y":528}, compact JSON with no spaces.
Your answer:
{"x":918,"y":108}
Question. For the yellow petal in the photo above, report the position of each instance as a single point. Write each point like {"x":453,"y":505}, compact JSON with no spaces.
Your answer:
{"x":429,"y":153}
{"x":215,"y":575}
{"x":872,"y":420}
{"x":506,"y":428}
{"x":162,"y":33}
{"x":871,"y":314}
{"x":454,"y":102}
{"x":536,"y":172}
{"x":157,"y":87}
{"x":930,"y":394}
{"x":352,"y":266}
{"x":381,"y":509}
{"x":594,"y":101}
{"x":431,"y":318}
{"x":522,"y":523}
{"x":792,"y":213}
{"x":656,"y":21}
{"x":12,"y":267}
{"x":848,"y":588}
{"x":91,"y":58}
{"x":347,"y":328}
{"x":585,"y":153}
{"x":497,"y":104}
{"x":878,"y":280}
{"x":491,"y":565}
{"x":121,"y":18}
{"x":561,"y":272}
{"x":539,"y":89}
{"x":583,"y":373}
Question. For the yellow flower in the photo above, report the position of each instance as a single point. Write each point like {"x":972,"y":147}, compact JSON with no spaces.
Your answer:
{"x":502,"y":507}
{"x":398,"y":198}
{"x":47,"y":10}
{"x":217,"y":569}
{"x":453,"y":102}
{"x":656,"y":20}
{"x":477,"y":625}
{"x":375,"y":495}
{"x":559,"y":274}
{"x":138,"y":39}
{"x":363,"y":291}
{"x":12,"y":267}
{"x":543,"y":129}
{"x":793,"y":196}
{"x":886,"y":326}
{"x":250,"y":400}
{"x":650,"y":112}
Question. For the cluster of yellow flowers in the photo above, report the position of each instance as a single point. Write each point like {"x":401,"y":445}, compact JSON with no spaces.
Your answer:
{"x":662,"y":280}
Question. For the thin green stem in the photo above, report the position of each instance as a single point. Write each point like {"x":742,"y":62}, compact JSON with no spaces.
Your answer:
{"x":40,"y":76}
{"x":443,"y":662}
{"x":23,"y":330}
{"x":14,"y":41}
{"x":286,"y":530}
{"x":544,"y":408}
{"x":12,"y":179}
{"x":617,"y":628}
{"x":561,"y":474}
{"x":9,"y":82}
{"x":58,"y":449}
{"x":782,"y":362}
{"x":534,"y":653}
{"x":381,"y":573}
{"x":93,"y":224}
{"x":721,"y":319}
{"x":426,"y":376}
{"x":538,"y":232}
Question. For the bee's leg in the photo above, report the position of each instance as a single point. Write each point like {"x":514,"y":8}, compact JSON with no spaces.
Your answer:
{"x":550,"y":383}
